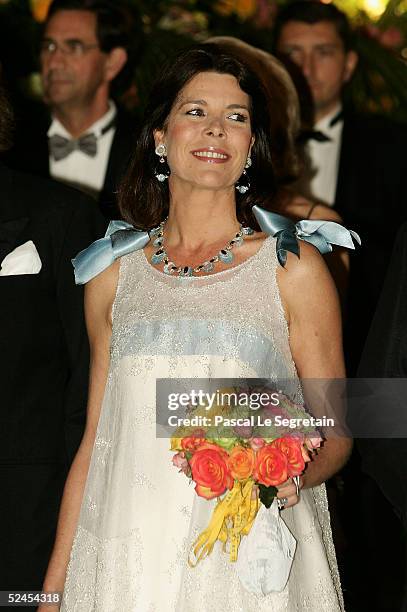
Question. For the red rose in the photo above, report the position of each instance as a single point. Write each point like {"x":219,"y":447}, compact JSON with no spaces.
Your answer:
{"x":271,"y":466}
{"x":210,"y":471}
{"x":291,"y":447}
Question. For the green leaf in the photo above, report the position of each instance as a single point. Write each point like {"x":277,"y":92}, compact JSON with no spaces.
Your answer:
{"x":267,"y":494}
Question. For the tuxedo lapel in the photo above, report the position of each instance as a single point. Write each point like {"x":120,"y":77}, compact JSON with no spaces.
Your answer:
{"x":113,"y":164}
{"x":13,"y":214}
{"x":119,"y":158}
{"x":346,"y":162}
{"x":120,"y":151}
{"x":9,"y":234}
{"x":30,"y":151}
{"x":37,"y":162}
{"x":42,"y":163}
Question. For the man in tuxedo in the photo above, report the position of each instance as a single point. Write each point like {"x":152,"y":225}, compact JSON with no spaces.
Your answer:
{"x":358,"y":165}
{"x":358,"y":162}
{"x":84,"y":57}
{"x":385,"y":357}
{"x":382,"y":418}
{"x":43,"y":360}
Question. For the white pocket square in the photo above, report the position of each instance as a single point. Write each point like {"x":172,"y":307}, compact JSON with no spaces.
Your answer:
{"x":23,"y":260}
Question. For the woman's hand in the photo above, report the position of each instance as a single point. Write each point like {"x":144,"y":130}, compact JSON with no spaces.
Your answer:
{"x":289,"y":491}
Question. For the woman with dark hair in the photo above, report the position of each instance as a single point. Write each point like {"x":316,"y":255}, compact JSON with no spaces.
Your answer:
{"x":184,"y":288}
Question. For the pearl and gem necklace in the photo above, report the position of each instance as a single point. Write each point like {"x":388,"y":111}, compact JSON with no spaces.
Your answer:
{"x":225,"y":255}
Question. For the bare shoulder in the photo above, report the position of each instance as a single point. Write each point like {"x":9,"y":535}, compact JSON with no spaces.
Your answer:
{"x":305,"y":282}
{"x":308,"y":266}
{"x":100,"y":293}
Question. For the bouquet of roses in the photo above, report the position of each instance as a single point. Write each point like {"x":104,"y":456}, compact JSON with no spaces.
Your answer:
{"x":232,"y":453}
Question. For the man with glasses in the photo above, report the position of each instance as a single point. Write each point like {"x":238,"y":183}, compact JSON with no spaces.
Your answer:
{"x":84,"y":54}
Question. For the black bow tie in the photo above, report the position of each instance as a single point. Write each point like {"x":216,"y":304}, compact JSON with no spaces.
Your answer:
{"x":60,"y":147}
{"x":338,"y":117}
{"x":317,"y":135}
{"x":307,"y":135}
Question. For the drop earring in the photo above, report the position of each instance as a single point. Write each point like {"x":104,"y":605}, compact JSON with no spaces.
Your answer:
{"x":243,"y":184}
{"x":161,"y":174}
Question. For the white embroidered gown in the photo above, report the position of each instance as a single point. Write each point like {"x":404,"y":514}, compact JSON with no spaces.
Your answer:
{"x":139,"y":515}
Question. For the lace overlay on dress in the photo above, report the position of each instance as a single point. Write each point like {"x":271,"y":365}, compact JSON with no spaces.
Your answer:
{"x":139,"y":517}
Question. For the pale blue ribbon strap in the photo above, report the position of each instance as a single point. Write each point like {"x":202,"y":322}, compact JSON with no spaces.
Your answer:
{"x":120,"y":239}
{"x":322,"y":234}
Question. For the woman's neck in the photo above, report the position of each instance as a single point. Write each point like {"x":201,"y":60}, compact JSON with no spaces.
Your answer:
{"x":198,"y":218}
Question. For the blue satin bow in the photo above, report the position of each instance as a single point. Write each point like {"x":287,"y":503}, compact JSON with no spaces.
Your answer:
{"x":322,"y":234}
{"x":122,"y":238}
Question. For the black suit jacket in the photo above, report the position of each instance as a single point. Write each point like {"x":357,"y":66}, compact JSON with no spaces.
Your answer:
{"x":371,"y":197}
{"x":43,"y":367}
{"x":385,"y":356}
{"x":30,"y":154}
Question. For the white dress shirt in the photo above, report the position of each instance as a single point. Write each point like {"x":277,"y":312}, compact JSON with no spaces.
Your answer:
{"x":324,"y":157}
{"x":79,"y":169}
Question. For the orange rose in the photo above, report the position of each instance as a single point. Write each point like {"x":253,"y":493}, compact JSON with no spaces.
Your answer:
{"x":241,"y":462}
{"x":210,"y":471}
{"x":271,"y":466}
{"x":291,"y":447}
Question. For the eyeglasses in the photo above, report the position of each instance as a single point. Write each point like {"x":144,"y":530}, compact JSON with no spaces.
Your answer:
{"x":72,"y":48}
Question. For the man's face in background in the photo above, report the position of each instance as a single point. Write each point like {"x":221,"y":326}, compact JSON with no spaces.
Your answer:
{"x":73,"y":67}
{"x":319,"y":51}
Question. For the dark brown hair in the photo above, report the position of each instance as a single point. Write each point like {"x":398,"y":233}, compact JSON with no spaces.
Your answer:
{"x":143,"y":200}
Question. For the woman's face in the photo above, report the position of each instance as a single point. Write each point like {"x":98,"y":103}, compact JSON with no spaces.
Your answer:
{"x":208,"y":133}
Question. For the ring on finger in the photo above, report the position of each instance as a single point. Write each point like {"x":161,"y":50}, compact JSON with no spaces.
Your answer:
{"x":281,"y":502}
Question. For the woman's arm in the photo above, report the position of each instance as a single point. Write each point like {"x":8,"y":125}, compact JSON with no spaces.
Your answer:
{"x":299,"y":208}
{"x":312,"y":310}
{"x":338,"y":261}
{"x":99,"y":296}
